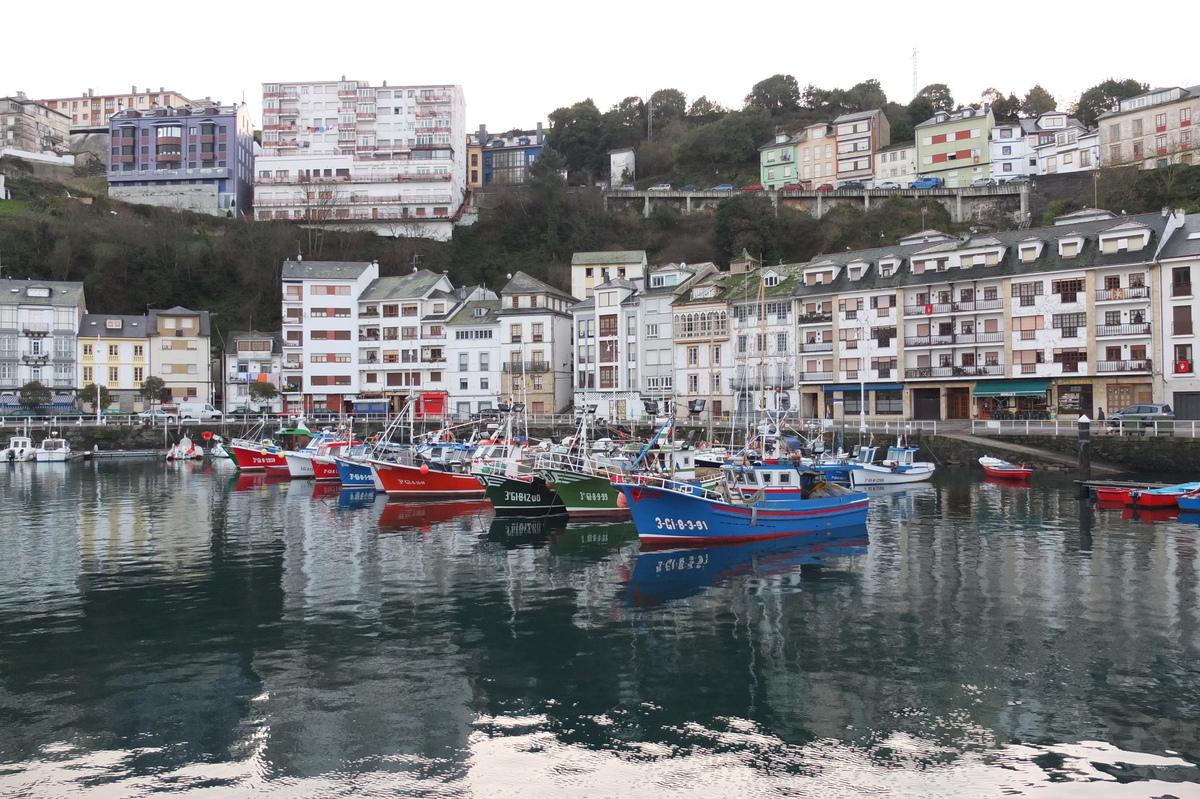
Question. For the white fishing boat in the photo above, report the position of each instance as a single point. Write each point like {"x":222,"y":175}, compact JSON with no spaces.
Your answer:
{"x":898,"y":466}
{"x":19,"y":450}
{"x":53,"y":449}
{"x":185,"y":450}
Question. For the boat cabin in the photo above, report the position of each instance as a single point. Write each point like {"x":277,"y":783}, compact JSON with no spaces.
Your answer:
{"x":54,"y":444}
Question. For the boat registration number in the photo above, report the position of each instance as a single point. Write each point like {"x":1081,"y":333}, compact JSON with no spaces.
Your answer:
{"x":681,"y":563}
{"x":594,"y":496}
{"x":680,"y":524}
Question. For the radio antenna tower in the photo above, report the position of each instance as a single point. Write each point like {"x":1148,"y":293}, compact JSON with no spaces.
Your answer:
{"x":916,"y":88}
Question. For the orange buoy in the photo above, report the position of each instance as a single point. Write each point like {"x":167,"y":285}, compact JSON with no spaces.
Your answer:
{"x":621,"y":501}
{"x":424,"y":468}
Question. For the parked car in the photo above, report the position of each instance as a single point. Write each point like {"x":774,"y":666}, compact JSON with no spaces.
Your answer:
{"x":793,"y":187}
{"x":660,"y":187}
{"x":928,"y":183}
{"x":981,"y":182}
{"x":689,"y":187}
{"x":888,"y":185}
{"x":627,"y":187}
{"x":1017,"y":179}
{"x":1155,"y":417}
{"x":157,"y":415}
{"x":722,"y":187}
{"x":245,"y":410}
{"x":753,"y":187}
{"x":825,"y":187}
{"x":850,"y":184}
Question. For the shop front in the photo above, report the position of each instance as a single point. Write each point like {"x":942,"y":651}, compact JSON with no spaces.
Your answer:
{"x":1012,"y":399}
{"x":1075,"y":399}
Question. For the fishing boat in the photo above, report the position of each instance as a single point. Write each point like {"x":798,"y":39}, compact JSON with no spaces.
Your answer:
{"x":253,"y":452}
{"x":1189,"y":502}
{"x":1165,"y":497}
{"x":19,"y":450}
{"x":502,"y":466}
{"x":53,"y":449}
{"x":300,"y":462}
{"x":898,"y":466}
{"x":994,"y":467}
{"x":216,"y":448}
{"x":751,"y":501}
{"x":185,"y":450}
{"x":437,"y":466}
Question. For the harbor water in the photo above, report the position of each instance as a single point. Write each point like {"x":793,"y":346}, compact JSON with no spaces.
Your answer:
{"x":184,"y":630}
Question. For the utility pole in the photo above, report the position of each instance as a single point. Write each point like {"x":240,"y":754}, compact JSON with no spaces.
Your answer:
{"x":916,"y":88}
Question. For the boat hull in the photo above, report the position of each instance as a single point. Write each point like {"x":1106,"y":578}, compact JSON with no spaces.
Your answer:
{"x":357,"y":474}
{"x":585,"y":496}
{"x":325,"y":469}
{"x":300,"y":466}
{"x":513,"y":497}
{"x":422,"y":482}
{"x":665,"y":516}
{"x":256,"y":460}
{"x":872,"y":475}
{"x":1009,"y":473}
{"x":1189,"y":502}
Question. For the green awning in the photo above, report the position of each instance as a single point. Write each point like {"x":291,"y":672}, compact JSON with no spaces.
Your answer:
{"x":1011,"y":388}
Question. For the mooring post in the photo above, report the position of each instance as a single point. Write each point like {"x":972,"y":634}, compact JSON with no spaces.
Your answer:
{"x":1085,"y":455}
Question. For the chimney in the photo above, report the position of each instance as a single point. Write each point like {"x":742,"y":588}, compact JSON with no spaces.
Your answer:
{"x":91,"y":92}
{"x":541,"y":135}
{"x":161,"y":89}
{"x":133,"y":89}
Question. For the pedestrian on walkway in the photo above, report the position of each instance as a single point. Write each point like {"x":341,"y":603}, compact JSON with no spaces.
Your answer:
{"x":1100,"y":414}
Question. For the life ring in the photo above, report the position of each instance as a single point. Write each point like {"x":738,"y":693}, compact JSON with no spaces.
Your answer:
{"x":375,"y":439}
{"x":702,"y":445}
{"x":448,"y":437}
{"x":206,"y":435}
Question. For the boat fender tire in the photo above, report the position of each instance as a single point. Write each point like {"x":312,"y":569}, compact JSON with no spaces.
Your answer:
{"x":702,"y":445}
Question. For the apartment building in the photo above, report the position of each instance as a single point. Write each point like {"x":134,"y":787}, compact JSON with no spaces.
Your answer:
{"x":663,"y":286}
{"x":817,"y":154}
{"x":700,"y":319}
{"x":114,"y":352}
{"x":91,"y":112}
{"x":39,"y":326}
{"x":504,"y":160}
{"x":1151,"y":130}
{"x":345,"y":153}
{"x":955,"y":146}
{"x":31,"y":126}
{"x":896,"y":164}
{"x":1178,"y":307}
{"x":252,"y":357}
{"x":763,"y":330}
{"x":777,"y":162}
{"x":181,"y":354}
{"x":606,"y":351}
{"x":859,"y":136}
{"x":473,"y":339}
{"x":590,"y":269}
{"x":535,"y":344}
{"x":321,"y":333}
{"x":198,"y":158}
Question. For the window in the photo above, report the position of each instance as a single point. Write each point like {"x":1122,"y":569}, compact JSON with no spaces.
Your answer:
{"x":87,"y":350}
{"x":113,"y":350}
{"x":1026,"y":292}
{"x":1135,"y":127}
{"x":139,"y":375}
{"x":1067,"y":290}
{"x":514,"y":334}
{"x":1069,"y":323}
{"x":693,"y":356}
{"x":693,"y":384}
{"x":114,"y":374}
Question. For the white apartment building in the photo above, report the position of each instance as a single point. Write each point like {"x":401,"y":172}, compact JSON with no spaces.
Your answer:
{"x":1178,"y":308}
{"x":896,"y":164}
{"x":115,"y":352}
{"x":606,"y":351}
{"x":39,"y":323}
{"x":655,"y":300}
{"x":590,"y":269}
{"x":1012,"y":155}
{"x":321,"y":332}
{"x":700,"y":319}
{"x":180,"y":353}
{"x":252,"y":357}
{"x":391,"y":159}
{"x":535,"y":344}
{"x":473,"y":339}
{"x":763,"y":331}
{"x":1153,"y":129}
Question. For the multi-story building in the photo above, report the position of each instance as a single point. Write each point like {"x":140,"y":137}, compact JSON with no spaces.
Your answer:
{"x":763,"y":330}
{"x":606,"y":350}
{"x":1178,"y":306}
{"x":197,"y":158}
{"x":91,"y":112}
{"x":700,"y":318}
{"x":1152,"y":129}
{"x":180,"y":353}
{"x":474,"y":163}
{"x":473,"y":339}
{"x":321,"y":337}
{"x":505,"y":160}
{"x":817,"y":154}
{"x":955,"y":146}
{"x":535,"y":344}
{"x":252,"y":357}
{"x":896,"y":164}
{"x":590,"y":269}
{"x":31,"y":126}
{"x":777,"y":162}
{"x":114,"y":352}
{"x":39,"y":326}
{"x":655,"y":338}
{"x":859,"y":136}
{"x":348,"y":154}
{"x":1011,"y":153}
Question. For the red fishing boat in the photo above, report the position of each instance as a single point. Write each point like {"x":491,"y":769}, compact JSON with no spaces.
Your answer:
{"x":426,"y":481}
{"x":994,"y":467}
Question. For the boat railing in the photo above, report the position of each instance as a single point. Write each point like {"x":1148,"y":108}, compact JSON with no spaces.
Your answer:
{"x":679,"y":486}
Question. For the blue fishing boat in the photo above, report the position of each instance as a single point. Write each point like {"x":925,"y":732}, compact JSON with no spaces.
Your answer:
{"x":751,"y":501}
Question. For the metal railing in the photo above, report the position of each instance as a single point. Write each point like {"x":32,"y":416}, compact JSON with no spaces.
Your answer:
{"x":1070,"y":427}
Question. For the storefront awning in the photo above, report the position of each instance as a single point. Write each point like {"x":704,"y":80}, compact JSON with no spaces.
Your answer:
{"x":871,"y":387}
{"x":1012,"y":388}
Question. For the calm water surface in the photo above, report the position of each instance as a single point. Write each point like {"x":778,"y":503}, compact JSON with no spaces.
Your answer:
{"x":181,"y":629}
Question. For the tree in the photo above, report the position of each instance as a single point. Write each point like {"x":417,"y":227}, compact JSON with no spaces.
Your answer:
{"x":625,"y":123}
{"x":1038,"y":101}
{"x":262,"y":392}
{"x":152,"y":389}
{"x":865,"y":96}
{"x":1006,"y":109}
{"x":578,"y":132}
{"x":920,"y":109}
{"x":938,"y":94}
{"x":33,"y":394}
{"x":778,"y":94}
{"x":89,"y":392}
{"x":668,"y":105}
{"x":728,"y":146}
{"x":1103,"y":96}
{"x":705,"y":109}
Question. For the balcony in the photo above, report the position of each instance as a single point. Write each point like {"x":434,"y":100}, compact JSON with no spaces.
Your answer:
{"x":817,"y":346}
{"x":815,"y":318}
{"x":1142,"y":329}
{"x":35,"y":330}
{"x":36,"y":360}
{"x":814,"y":377}
{"x":1141,"y":365}
{"x":769,"y":383}
{"x":294,"y":319}
{"x":516,"y":367}
{"x":929,"y":372}
{"x":433,"y":98}
{"x":1130,"y":293}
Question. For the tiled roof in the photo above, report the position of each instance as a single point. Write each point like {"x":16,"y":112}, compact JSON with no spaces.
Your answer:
{"x":466,"y":313}
{"x":413,"y":286}
{"x":179,"y":310}
{"x":522,"y":283}
{"x":96,"y":324}
{"x":62,"y":292}
{"x":245,"y":335}
{"x":617,"y":257}
{"x":324,"y":270}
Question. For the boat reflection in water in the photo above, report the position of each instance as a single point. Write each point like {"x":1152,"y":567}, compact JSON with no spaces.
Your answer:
{"x":324,"y":490}
{"x":1150,"y":515}
{"x":356,"y":497}
{"x":661,"y":575}
{"x":592,"y":540}
{"x":401,"y":516}
{"x":512,"y":532}
{"x":249,"y":481}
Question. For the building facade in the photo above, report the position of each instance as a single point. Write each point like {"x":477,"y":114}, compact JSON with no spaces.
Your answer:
{"x":956,"y":146}
{"x":777,"y":162}
{"x":390,"y":159}
{"x":31,"y":126}
{"x":252,"y":357}
{"x":39,"y":329}
{"x":92,"y":112}
{"x":473,"y":340}
{"x":859,"y":136}
{"x":535,"y":344}
{"x":606,"y":351}
{"x":505,"y":160}
{"x":817,"y":153}
{"x":196,"y":158}
{"x":181,"y":354}
{"x":590,"y":269}
{"x":1152,"y":129}
{"x":896,"y":164}
{"x":114,"y":352}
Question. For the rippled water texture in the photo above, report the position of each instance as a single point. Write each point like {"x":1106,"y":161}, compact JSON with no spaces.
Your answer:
{"x":181,"y":629}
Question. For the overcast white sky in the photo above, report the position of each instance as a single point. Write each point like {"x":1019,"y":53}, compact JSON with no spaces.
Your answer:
{"x":517,"y":62}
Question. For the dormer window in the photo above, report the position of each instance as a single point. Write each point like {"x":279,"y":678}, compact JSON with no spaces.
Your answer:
{"x":1028,"y":253}
{"x":1111,"y":244}
{"x":1068,"y":248}
{"x":480,"y":312}
{"x":771,"y":280}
